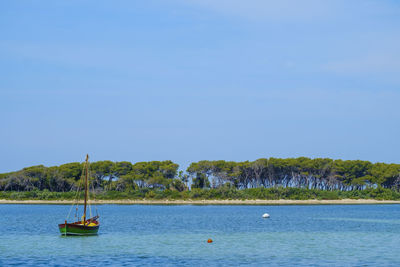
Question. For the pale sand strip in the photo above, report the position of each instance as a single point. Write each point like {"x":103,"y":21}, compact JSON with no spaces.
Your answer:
{"x":210,"y":202}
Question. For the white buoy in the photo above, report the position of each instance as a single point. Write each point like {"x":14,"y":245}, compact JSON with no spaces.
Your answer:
{"x":265,"y":215}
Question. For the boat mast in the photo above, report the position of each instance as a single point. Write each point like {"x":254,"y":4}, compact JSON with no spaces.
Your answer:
{"x":86,"y":188}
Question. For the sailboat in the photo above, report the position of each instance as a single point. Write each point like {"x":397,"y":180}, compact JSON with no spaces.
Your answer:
{"x":84,"y":226}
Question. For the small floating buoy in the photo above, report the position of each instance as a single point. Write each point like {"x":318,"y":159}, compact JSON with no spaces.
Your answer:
{"x":265,"y":215}
{"x":209,"y":240}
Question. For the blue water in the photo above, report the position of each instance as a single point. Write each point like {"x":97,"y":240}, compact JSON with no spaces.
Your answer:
{"x":140,"y":235}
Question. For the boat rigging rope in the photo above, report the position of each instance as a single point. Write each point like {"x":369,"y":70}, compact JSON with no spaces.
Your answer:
{"x":94,"y":198}
{"x":74,"y":203}
{"x":76,"y":199}
{"x":78,"y":195}
{"x":90,"y":206}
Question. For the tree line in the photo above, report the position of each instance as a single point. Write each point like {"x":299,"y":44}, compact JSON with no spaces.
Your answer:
{"x":319,"y":173}
{"x":305,"y":173}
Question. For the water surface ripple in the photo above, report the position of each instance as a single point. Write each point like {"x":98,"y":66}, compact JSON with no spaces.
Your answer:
{"x":140,"y":235}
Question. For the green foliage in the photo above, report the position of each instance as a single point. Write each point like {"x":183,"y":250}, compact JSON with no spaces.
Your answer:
{"x":265,"y":178}
{"x":319,"y":173}
{"x":105,"y":175}
{"x":214,"y":193}
{"x":201,"y":181}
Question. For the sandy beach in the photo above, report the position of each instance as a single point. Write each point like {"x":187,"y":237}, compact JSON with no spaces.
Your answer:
{"x":211,"y":202}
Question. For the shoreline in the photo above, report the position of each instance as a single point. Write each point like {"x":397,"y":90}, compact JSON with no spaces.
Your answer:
{"x":210,"y":202}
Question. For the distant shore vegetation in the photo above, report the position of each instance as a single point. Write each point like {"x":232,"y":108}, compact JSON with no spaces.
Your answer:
{"x":273,"y":178}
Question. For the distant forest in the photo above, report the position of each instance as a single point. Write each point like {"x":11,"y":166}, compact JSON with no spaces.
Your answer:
{"x":273,"y":173}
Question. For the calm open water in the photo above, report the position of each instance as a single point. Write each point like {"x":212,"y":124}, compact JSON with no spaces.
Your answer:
{"x":133,"y":235}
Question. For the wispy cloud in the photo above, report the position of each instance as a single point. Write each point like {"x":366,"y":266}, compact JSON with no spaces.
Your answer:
{"x":289,"y":10}
{"x":272,"y":10}
{"x":383,"y":63}
{"x":373,"y":54}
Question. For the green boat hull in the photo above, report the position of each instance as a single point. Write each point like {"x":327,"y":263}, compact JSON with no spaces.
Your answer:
{"x":75,"y":229}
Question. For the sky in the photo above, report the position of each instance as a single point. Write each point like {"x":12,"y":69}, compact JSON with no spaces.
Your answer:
{"x":190,"y":80}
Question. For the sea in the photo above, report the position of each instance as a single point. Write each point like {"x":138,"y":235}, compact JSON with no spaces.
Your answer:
{"x":176,"y":235}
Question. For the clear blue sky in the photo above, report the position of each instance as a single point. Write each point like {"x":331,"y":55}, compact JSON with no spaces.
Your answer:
{"x":203,"y":79}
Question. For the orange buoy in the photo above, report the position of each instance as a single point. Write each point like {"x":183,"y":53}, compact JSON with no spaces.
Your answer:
{"x":209,"y":240}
